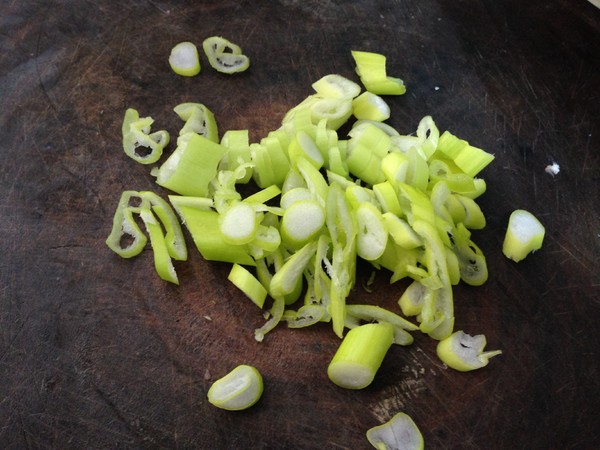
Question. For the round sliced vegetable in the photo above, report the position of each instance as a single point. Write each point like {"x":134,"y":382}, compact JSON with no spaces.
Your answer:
{"x":464,"y":352}
{"x":399,"y":433}
{"x":239,"y":389}
{"x":184,"y":59}
{"x":524,"y":234}
{"x":239,"y":224}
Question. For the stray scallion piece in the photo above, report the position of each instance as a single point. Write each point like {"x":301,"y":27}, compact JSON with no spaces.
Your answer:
{"x":464,"y":352}
{"x":239,"y":389}
{"x":184,"y":59}
{"x":360,"y":355}
{"x":136,"y":135}
{"x":224,"y":56}
{"x":399,"y":433}
{"x":248,"y":284}
{"x":524,"y":234}
{"x":371,"y":68}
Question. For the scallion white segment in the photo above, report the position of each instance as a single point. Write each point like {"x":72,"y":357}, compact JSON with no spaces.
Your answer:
{"x":399,"y":433}
{"x":524,"y":235}
{"x":184,"y":59}
{"x":239,"y":389}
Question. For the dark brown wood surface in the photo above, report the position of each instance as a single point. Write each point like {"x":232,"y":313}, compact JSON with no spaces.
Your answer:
{"x":98,"y":352}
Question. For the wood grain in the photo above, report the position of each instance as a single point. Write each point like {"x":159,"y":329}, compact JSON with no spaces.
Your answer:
{"x":97,"y":352}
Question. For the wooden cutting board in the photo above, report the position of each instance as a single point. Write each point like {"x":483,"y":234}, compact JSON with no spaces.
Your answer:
{"x":98,"y":352}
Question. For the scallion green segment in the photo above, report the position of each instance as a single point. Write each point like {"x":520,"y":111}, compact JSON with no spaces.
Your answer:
{"x":225,"y":56}
{"x":136,"y":135}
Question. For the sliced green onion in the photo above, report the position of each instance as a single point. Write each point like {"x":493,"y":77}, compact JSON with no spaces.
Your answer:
{"x":248,"y":284}
{"x":305,"y":316}
{"x":162,"y":259}
{"x":285,"y":279}
{"x":239,"y":389}
{"x":301,"y":222}
{"x":388,"y":198}
{"x":335,"y":111}
{"x":136,"y":134}
{"x":126,"y":238}
{"x":524,"y":235}
{"x":336,"y":86}
{"x":238,"y":153}
{"x":371,"y":68}
{"x":203,"y":225}
{"x":401,"y":232}
{"x":191,"y":167}
{"x":198,"y":119}
{"x":370,"y":313}
{"x":360,"y":355}
{"x":238,"y":224}
{"x":372,"y":232}
{"x":184,"y":59}
{"x":399,"y":433}
{"x":173,"y":233}
{"x":464,"y":352}
{"x":224,"y":56}
{"x":471,"y":160}
{"x":368,"y":106}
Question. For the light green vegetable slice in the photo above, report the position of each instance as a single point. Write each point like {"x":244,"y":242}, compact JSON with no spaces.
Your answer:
{"x":301,"y":222}
{"x":399,"y":433}
{"x":371,"y":68}
{"x":173,"y":233}
{"x":285,"y":279}
{"x":336,"y":86}
{"x":225,"y":56}
{"x":464,"y":352}
{"x":191,"y":167}
{"x":203,"y":224}
{"x":305,"y":316}
{"x":372,"y":232}
{"x":239,"y":389}
{"x":471,"y":160}
{"x":524,"y":235}
{"x":162,"y":259}
{"x":238,"y":224}
{"x":136,"y":134}
{"x":198,"y":119}
{"x":184,"y":59}
{"x":360,"y":355}
{"x":368,"y":106}
{"x":248,"y":284}
{"x":126,"y":238}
